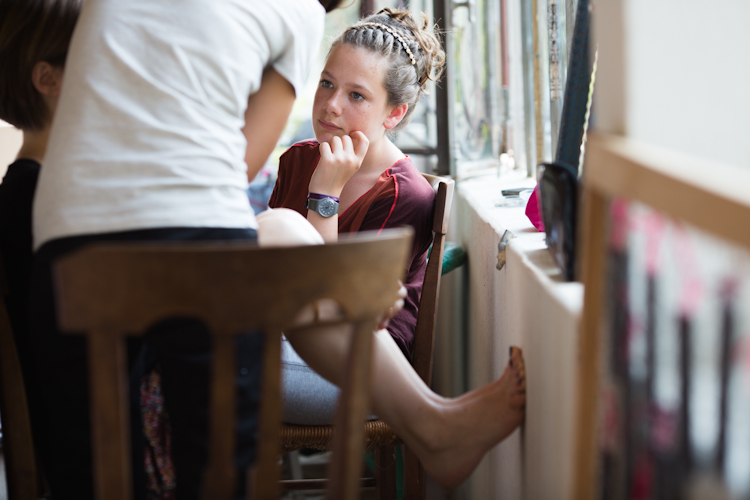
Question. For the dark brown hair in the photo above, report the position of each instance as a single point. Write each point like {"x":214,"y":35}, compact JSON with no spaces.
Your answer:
{"x":31,"y":31}
{"x":405,"y":82}
{"x":331,"y":4}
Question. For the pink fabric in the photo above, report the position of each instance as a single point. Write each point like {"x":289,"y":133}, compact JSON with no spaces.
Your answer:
{"x":534,"y":210}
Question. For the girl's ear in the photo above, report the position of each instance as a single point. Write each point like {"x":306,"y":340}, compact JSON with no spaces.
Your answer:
{"x":395,"y":116}
{"x":47,"y":79}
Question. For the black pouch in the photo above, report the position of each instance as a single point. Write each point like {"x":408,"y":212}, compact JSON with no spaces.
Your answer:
{"x":558,"y":194}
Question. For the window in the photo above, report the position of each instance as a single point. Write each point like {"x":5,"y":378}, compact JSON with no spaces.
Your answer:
{"x":499,"y":103}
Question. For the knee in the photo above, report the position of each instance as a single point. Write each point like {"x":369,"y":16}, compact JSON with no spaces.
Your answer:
{"x":285,"y":227}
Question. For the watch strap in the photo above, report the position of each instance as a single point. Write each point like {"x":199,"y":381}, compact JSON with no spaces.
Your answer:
{"x":318,"y":196}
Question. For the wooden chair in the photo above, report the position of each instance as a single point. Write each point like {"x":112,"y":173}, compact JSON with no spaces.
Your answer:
{"x":109,"y":291}
{"x":377,"y":433}
{"x":709,"y":196}
{"x":18,"y":448}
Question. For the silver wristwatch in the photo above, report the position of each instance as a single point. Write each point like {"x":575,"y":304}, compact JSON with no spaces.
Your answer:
{"x":326,"y":207}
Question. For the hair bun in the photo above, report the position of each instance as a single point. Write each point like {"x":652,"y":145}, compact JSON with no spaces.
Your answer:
{"x":428,"y":40}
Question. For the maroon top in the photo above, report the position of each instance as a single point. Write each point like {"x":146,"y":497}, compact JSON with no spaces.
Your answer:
{"x":400,"y":197}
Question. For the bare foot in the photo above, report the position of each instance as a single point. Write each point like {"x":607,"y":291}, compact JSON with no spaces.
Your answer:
{"x":474,"y":423}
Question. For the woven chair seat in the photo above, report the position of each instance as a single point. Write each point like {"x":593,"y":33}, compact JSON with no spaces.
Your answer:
{"x":320,"y":437}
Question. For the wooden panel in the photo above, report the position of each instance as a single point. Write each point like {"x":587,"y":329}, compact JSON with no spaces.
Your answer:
{"x":713,"y":197}
{"x":593,"y":262}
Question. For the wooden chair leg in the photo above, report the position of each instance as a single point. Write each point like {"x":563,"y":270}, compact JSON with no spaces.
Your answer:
{"x":385,"y":472}
{"x":20,"y":462}
{"x":110,"y":420}
{"x":346,"y":463}
{"x":415,"y":478}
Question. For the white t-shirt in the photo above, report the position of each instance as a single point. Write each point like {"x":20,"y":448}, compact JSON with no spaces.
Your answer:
{"x":147,"y":132}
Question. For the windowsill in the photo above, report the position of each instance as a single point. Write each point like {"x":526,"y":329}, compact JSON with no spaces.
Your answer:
{"x":483,"y":193}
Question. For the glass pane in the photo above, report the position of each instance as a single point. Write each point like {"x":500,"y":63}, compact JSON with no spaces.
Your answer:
{"x":421,"y":132}
{"x":476,"y":89}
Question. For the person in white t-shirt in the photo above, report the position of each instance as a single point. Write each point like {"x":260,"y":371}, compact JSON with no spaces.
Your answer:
{"x":152,"y":140}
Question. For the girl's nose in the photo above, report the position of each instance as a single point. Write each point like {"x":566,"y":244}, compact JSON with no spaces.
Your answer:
{"x":333,"y":105}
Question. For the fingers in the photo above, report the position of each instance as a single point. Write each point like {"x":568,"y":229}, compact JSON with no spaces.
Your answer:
{"x":397,"y":306}
{"x":340,"y":158}
{"x":355,"y":144}
{"x":361,"y":143}
{"x":337,"y":144}
{"x":346,"y":144}
{"x":325,"y":149}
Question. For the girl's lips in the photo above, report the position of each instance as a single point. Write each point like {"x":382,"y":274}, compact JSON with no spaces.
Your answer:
{"x":327,"y":125}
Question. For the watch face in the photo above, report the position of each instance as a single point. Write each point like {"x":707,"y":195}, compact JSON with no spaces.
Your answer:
{"x":327,"y":207}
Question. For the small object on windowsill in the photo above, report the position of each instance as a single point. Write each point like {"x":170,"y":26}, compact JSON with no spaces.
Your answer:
{"x":523,"y":192}
{"x":514,"y":197}
{"x":533,"y":212}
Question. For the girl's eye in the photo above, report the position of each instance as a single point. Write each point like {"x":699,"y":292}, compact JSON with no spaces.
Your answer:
{"x":357,"y":96}
{"x":326,"y":84}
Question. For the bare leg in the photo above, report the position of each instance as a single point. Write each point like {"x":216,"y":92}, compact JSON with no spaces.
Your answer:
{"x":450,"y":436}
{"x":279,"y":227}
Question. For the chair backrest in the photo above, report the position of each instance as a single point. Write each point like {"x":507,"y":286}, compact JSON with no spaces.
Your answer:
{"x":109,"y":291}
{"x":424,"y":336}
{"x":18,"y":448}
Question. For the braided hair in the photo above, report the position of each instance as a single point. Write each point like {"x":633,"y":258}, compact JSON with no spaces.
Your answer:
{"x":413,"y":52}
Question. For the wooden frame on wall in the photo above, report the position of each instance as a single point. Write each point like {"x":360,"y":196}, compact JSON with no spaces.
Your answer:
{"x":712,"y":197}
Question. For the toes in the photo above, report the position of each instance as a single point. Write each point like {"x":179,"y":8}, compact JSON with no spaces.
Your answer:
{"x":518,"y":367}
{"x":516,"y":360}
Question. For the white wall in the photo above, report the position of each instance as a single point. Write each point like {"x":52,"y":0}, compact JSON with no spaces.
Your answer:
{"x":676,"y":73}
{"x":482,"y":312}
{"x":10,"y":142}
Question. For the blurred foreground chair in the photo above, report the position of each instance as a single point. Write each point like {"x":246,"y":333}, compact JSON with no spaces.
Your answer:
{"x":110,"y":291}
{"x":377,"y":433}
{"x":679,"y":189}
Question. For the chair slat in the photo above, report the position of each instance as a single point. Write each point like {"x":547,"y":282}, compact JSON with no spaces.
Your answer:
{"x":269,"y":423}
{"x":351,"y":413}
{"x":220,"y":473}
{"x":109,"y":418}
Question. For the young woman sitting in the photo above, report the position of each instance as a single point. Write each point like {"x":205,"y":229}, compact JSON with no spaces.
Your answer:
{"x":354,"y":178}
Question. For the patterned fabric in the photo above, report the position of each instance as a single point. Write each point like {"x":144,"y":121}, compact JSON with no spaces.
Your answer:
{"x":160,"y":478}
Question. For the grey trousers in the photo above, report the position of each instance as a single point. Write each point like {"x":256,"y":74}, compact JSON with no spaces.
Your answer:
{"x":307,"y":398}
